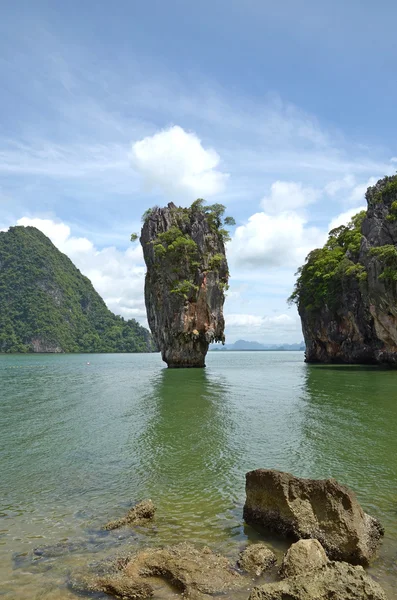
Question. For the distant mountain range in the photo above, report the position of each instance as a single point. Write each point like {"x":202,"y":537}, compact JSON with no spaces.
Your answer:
{"x":244,"y":345}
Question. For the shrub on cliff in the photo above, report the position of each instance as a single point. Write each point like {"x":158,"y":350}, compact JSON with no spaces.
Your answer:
{"x":320,"y":279}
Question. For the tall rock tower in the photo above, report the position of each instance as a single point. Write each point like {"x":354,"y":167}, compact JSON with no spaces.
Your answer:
{"x":187,"y":275}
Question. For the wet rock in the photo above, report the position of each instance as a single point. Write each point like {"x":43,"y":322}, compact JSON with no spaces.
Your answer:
{"x":187,"y":274}
{"x":187,"y":568}
{"x":302,"y":557}
{"x":140,"y":514}
{"x":123,"y":587}
{"x":193,"y":572}
{"x":306,"y":508}
{"x":335,"y":581}
{"x":256,"y":559}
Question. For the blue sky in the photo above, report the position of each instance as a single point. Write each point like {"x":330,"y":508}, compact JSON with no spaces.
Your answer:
{"x":282,"y":111}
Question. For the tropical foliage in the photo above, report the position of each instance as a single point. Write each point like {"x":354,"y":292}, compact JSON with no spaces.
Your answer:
{"x":178,"y":254}
{"x":320,"y":280}
{"x":45,"y":298}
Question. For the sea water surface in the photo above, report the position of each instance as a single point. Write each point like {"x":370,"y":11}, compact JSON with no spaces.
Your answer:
{"x":81,"y":442}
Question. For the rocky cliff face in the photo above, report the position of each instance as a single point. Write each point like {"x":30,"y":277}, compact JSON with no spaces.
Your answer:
{"x":349,"y":313}
{"x":187,"y":274}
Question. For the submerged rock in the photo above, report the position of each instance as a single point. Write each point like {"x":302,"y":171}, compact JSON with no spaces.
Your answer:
{"x":256,"y":559}
{"x":334,"y":581}
{"x":123,"y":587}
{"x":346,"y":291}
{"x":309,"y":508}
{"x":302,"y":557}
{"x":186,"y":277}
{"x":139,"y":514}
{"x":193,"y":572}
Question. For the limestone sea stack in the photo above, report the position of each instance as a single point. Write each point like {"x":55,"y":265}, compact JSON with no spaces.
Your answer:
{"x":187,"y":275}
{"x":346,"y":291}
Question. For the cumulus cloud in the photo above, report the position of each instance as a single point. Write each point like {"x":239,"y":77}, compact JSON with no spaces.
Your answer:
{"x":274,"y":240}
{"x":175,"y":161}
{"x":357,"y":194}
{"x":272,"y":329}
{"x":345,"y":217}
{"x":334,"y":187}
{"x":288,"y":195}
{"x":255,"y":321}
{"x":354,"y":191}
{"x":116,"y":275}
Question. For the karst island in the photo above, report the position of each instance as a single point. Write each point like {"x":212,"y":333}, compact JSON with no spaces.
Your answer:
{"x":187,"y":276}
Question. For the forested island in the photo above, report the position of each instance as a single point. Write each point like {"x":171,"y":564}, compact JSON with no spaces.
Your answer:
{"x":187,"y":275}
{"x":47,"y":305}
{"x":346,"y":291}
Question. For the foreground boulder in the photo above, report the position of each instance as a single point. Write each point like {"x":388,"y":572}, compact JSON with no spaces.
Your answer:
{"x":306,"y":508}
{"x":123,"y":587}
{"x":193,"y":572}
{"x":186,"y":277}
{"x":139,"y":514}
{"x":334,"y":581}
{"x":302,"y":557}
{"x":256,"y":559}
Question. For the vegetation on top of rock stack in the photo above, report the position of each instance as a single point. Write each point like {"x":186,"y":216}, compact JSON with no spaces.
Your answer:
{"x":47,"y":305}
{"x":174,"y":243}
{"x":320,"y":279}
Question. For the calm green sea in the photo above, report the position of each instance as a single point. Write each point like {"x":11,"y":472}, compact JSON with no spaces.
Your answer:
{"x":79,"y":443}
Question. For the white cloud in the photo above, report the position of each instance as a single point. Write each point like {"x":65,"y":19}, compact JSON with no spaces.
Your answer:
{"x":345,"y":217}
{"x":281,"y":240}
{"x":242,"y":320}
{"x":358,"y":192}
{"x":175,"y":161}
{"x":117,"y":276}
{"x":338,"y":185}
{"x":288,"y":195}
{"x":273,"y":329}
{"x":355,"y":192}
{"x":247,"y":320}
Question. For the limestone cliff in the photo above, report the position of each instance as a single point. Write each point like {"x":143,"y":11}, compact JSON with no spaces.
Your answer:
{"x":347,"y":291}
{"x":187,"y":274}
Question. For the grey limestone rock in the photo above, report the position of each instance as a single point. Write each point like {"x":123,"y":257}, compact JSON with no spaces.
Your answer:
{"x":256,"y":559}
{"x":302,"y":557}
{"x":187,"y":273}
{"x":361,"y":327}
{"x":334,"y":581}
{"x":307,"y":508}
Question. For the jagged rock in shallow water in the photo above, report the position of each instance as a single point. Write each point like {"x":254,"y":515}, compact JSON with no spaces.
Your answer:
{"x":346,"y":292}
{"x":309,"y":508}
{"x":334,"y":581}
{"x":141,"y":513}
{"x":302,"y":557}
{"x":195,"y":572}
{"x":124,"y":587}
{"x":187,"y":274}
{"x":256,"y":559}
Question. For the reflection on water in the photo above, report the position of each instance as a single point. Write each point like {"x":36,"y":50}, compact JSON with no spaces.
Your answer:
{"x":349,"y":431}
{"x":80,"y":443}
{"x":187,"y":454}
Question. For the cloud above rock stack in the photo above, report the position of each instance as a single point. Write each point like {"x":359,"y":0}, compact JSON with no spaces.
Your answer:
{"x":176,"y":161}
